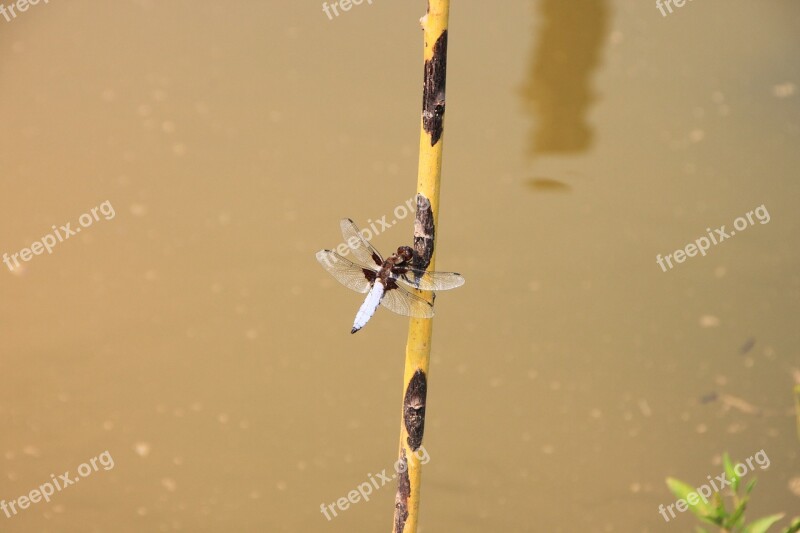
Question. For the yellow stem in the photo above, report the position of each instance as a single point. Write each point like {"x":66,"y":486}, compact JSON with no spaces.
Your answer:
{"x":418,"y":346}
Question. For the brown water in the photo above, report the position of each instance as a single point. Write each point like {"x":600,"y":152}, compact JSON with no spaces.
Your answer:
{"x":194,"y":337}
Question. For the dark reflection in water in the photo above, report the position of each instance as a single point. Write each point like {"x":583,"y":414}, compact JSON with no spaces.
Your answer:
{"x":558,"y":92}
{"x":547,"y":185}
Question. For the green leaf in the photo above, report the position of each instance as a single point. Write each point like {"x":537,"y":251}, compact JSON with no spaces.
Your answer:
{"x":719,"y":505}
{"x":701,"y":509}
{"x":737,"y":516}
{"x":730,"y":472}
{"x":750,"y":485}
{"x":698,"y":529}
{"x":762,"y":524}
{"x":795,"y":527}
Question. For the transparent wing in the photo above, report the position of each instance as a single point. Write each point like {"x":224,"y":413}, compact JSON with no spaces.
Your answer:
{"x":431,"y":281}
{"x":363,"y":250}
{"x":349,"y":274}
{"x":400,"y":301}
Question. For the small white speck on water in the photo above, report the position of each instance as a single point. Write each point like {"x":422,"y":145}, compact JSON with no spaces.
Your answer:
{"x":709,"y":321}
{"x":138,"y":210}
{"x":736,"y":427}
{"x":141,"y":448}
{"x":170,"y":484}
{"x":644,"y":407}
{"x":697,"y":135}
{"x":32,"y":451}
{"x":794,"y":486}
{"x":784,"y":90}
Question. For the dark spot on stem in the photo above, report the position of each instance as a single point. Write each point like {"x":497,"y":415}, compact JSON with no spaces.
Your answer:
{"x":433,"y":101}
{"x":403,"y":493}
{"x":414,"y":409}
{"x":424,"y":233}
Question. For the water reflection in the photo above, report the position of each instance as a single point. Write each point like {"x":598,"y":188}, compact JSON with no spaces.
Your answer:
{"x":558,"y":92}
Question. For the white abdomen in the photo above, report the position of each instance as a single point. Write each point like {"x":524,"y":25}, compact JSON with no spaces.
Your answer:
{"x":369,"y":306}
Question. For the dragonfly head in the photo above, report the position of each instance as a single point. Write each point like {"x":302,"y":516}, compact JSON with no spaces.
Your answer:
{"x":405,"y":253}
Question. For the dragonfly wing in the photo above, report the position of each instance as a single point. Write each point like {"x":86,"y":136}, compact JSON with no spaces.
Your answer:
{"x":363,"y":250}
{"x":432,"y":281}
{"x":346,"y":272}
{"x":400,"y":301}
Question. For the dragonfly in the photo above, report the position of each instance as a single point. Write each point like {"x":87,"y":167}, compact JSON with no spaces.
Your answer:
{"x":387,"y":282}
